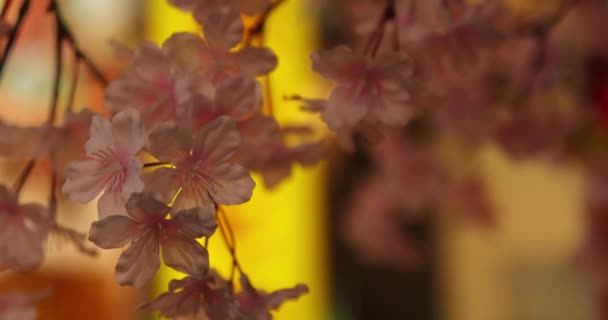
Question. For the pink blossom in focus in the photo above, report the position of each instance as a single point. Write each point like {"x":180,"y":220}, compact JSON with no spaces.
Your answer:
{"x":147,"y":229}
{"x":204,"y":168}
{"x":112,"y":167}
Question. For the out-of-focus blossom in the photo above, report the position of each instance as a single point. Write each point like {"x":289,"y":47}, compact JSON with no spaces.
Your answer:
{"x":264,"y":150}
{"x":249,"y":7}
{"x":254,"y":304}
{"x":147,"y":229}
{"x":23,"y":142}
{"x":23,"y":232}
{"x":374,"y":228}
{"x":411,"y":173}
{"x":113,"y":165}
{"x":69,"y":138}
{"x":213,"y":298}
{"x":212,"y":58}
{"x":366,"y":87}
{"x":192,"y":298}
{"x":204,"y":168}
{"x":151,"y":85}
{"x":20,"y":306}
{"x":469,"y":197}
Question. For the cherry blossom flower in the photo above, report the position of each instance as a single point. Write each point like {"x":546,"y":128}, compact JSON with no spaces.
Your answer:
{"x":367,"y":89}
{"x":113,"y":165}
{"x":256,"y":305}
{"x":265,"y":151}
{"x":238,"y":98}
{"x":23,"y":231}
{"x":147,"y":229}
{"x":374,"y":228}
{"x":204,"y":169}
{"x":213,"y":298}
{"x":194,"y":298}
{"x":151,"y":85}
{"x":212,"y":58}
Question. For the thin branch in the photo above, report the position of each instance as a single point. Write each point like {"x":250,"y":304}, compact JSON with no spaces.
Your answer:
{"x":375,"y":39}
{"x":228,"y":236}
{"x":18,"y":186}
{"x":7,"y":6}
{"x":12,"y":36}
{"x":258,"y":26}
{"x":156,"y":164}
{"x":75,"y":77}
{"x":78,"y":239}
{"x":58,"y":68}
{"x":67,"y":35}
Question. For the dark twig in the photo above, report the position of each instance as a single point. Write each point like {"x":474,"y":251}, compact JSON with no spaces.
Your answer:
{"x":14,"y":33}
{"x":58,"y":68}
{"x":77,"y":238}
{"x":228,"y":236}
{"x":66,"y":33}
{"x":75,"y":77}
{"x":258,"y":26}
{"x":23,"y":176}
{"x":375,"y":39}
{"x":7,"y":6}
{"x":156,"y":164}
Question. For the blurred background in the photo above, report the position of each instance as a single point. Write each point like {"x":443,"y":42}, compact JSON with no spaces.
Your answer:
{"x":520,"y":270}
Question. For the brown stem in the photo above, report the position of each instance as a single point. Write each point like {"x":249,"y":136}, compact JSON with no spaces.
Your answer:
{"x":375,"y":39}
{"x":228,"y":236}
{"x":7,"y":5}
{"x":258,"y":26}
{"x":66,"y":34}
{"x":155,"y":164}
{"x":18,"y":186}
{"x":75,"y":77}
{"x":58,"y":68}
{"x":12,"y":36}
{"x":78,"y":239}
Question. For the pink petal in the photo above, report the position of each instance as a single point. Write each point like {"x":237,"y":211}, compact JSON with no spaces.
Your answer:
{"x":217,"y":141}
{"x":110,"y":204}
{"x":238,"y":97}
{"x":138,"y":264}
{"x":222,"y":26}
{"x":167,"y":141}
{"x":231,"y":184}
{"x":83,"y":183}
{"x":143,"y":205}
{"x":113,"y":232}
{"x":186,"y":255}
{"x":344,"y":109}
{"x":255,"y":61}
{"x":196,"y":222}
{"x":101,"y":135}
{"x":151,"y":63}
{"x":187,"y":51}
{"x":162,"y":181}
{"x":128,"y":131}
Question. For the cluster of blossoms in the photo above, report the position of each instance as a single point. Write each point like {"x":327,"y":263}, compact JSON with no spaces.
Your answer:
{"x":424,"y":87}
{"x":511,"y":74}
{"x":193,"y":109}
